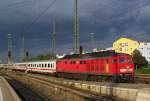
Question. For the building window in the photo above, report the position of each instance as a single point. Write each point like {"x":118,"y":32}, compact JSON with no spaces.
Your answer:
{"x":126,"y":44}
{"x":120,"y":49}
{"x":120,"y":44}
{"x":126,"y":49}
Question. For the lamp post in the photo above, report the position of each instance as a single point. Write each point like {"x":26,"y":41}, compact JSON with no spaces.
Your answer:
{"x":92,"y":38}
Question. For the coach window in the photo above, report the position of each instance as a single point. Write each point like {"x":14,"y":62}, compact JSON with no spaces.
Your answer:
{"x":42,"y":65}
{"x":48,"y":65}
{"x":74,"y":62}
{"x":45,"y":65}
{"x":39,"y":65}
{"x":51,"y":65}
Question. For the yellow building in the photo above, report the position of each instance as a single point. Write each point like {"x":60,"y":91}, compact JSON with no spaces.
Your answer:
{"x":125,"y":45}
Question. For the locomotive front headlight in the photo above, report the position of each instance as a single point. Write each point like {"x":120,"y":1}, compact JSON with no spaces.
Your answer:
{"x":131,"y":70}
{"x":127,"y":67}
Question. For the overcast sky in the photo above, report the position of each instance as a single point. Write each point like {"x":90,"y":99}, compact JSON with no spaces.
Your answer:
{"x":107,"y":19}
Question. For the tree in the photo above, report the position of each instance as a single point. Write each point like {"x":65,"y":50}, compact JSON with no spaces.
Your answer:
{"x":42,"y":57}
{"x":138,"y":59}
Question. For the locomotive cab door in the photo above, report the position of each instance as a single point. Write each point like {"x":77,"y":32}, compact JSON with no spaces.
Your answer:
{"x":106,"y":68}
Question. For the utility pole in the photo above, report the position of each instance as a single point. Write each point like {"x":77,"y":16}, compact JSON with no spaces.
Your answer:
{"x":23,"y":49}
{"x":9,"y":57}
{"x":92,"y":40}
{"x":53,"y":40}
{"x":76,"y":29}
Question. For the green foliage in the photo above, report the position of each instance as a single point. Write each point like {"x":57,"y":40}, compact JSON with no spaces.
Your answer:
{"x":41,"y":57}
{"x":143,"y":70}
{"x":138,"y":59}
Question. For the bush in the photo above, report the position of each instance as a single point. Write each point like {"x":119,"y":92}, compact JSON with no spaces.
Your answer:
{"x":143,"y":70}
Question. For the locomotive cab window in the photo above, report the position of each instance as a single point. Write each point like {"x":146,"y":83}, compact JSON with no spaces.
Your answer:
{"x":122,"y":60}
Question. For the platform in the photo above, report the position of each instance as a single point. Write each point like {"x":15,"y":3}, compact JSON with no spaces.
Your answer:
{"x":7,"y":93}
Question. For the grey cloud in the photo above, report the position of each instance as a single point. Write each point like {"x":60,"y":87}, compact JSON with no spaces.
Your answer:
{"x":108,"y":19}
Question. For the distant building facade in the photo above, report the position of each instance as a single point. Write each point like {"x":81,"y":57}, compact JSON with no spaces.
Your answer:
{"x":145,"y":51}
{"x":125,"y":45}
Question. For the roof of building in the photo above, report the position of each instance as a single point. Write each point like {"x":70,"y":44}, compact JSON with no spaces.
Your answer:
{"x":133,"y":38}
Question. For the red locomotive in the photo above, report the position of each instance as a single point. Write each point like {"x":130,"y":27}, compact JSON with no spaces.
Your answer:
{"x":106,"y":65}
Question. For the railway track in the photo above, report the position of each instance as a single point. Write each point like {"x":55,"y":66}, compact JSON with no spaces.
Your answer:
{"x":24,"y":92}
{"x":55,"y":91}
{"x":142,"y":78}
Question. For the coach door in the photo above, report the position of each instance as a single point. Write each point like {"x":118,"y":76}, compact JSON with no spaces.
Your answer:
{"x":106,"y":68}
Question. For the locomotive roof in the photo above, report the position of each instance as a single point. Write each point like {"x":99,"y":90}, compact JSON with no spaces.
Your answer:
{"x":91,"y":55}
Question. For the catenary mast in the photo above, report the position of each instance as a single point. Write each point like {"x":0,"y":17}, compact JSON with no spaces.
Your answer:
{"x":9,"y":57}
{"x":76,"y":29}
{"x":53,"y":40}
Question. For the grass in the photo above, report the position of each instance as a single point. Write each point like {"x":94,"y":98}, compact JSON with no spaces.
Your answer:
{"x":143,"y":70}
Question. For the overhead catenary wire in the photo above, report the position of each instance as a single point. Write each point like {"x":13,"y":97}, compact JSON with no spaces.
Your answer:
{"x":37,"y":18}
{"x":9,"y":6}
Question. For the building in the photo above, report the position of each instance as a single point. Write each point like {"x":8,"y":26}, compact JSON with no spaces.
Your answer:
{"x":125,"y":45}
{"x":145,"y":51}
